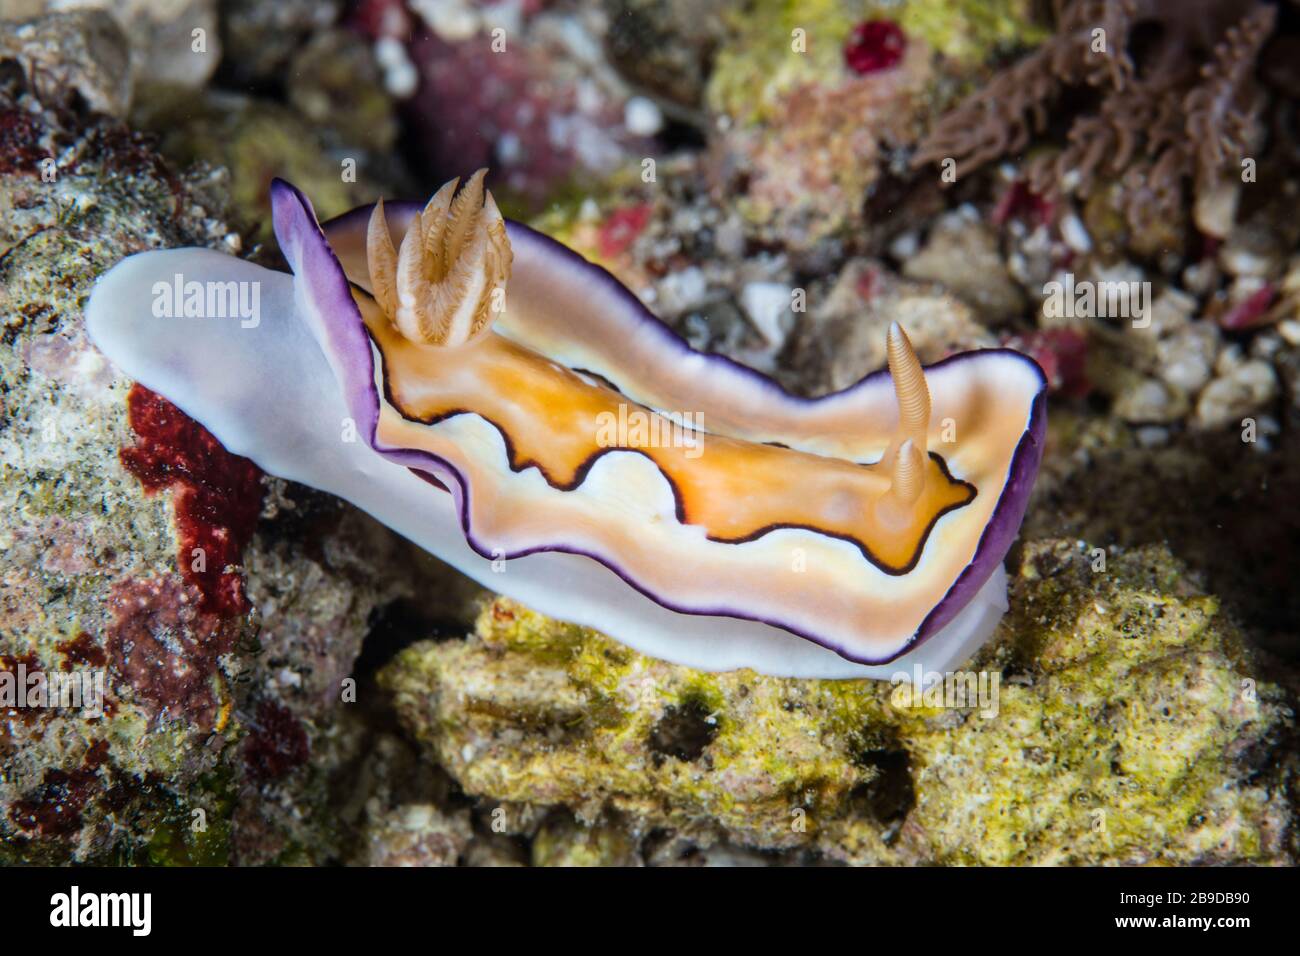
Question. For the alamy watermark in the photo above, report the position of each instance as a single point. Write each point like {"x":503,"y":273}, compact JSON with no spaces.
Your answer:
{"x":63,"y":690}
{"x":636,"y":428}
{"x":133,"y":911}
{"x":208,"y":300}
{"x":950,"y":690}
{"x":1098,"y":300}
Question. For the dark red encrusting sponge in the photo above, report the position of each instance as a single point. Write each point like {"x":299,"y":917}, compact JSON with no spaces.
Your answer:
{"x":168,"y":650}
{"x":217,"y":496}
{"x":56,"y":806}
{"x":20,"y":142}
{"x":873,"y":46}
{"x":277,"y":743}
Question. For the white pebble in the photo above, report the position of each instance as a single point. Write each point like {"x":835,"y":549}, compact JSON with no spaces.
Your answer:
{"x":400,"y":76}
{"x":642,"y":116}
{"x":905,"y":246}
{"x":1290,"y":331}
{"x":683,"y":290}
{"x":508,"y":149}
{"x":1075,"y":233}
{"x":1152,"y":436}
{"x":766,"y":304}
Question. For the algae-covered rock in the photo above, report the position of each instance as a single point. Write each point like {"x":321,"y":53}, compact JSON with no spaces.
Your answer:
{"x":532,"y":711}
{"x":666,"y":46}
{"x":565,"y":842}
{"x":842,"y":337}
{"x":969,"y":32}
{"x":67,"y":55}
{"x":135,"y":551}
{"x":1132,"y":725}
{"x":416,"y":835}
{"x":962,"y":253}
{"x":257,"y":140}
{"x":260,"y":38}
{"x":799,"y":136}
{"x":91,"y":576}
{"x":1116,"y":718}
{"x":172,"y":42}
{"x":812,"y":102}
{"x":333,"y":134}
{"x":335,"y":84}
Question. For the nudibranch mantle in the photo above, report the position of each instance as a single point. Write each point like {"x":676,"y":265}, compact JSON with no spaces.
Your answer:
{"x":856,"y":535}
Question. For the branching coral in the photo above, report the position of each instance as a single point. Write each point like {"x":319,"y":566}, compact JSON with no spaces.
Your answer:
{"x":1174,"y":82}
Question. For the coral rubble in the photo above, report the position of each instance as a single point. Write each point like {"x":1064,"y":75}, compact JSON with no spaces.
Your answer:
{"x":1131,"y":727}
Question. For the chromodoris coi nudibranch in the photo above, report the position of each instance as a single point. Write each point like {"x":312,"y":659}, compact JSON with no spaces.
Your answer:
{"x":561,"y":445}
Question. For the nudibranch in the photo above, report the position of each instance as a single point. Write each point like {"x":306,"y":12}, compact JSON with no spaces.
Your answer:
{"x":514,"y":410}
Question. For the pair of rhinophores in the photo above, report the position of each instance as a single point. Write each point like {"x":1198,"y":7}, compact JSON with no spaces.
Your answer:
{"x":855,"y":535}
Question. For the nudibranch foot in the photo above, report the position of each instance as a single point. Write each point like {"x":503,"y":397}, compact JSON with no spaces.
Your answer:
{"x":564,"y":447}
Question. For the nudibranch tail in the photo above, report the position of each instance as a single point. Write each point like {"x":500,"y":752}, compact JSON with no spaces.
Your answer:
{"x":450,"y":273}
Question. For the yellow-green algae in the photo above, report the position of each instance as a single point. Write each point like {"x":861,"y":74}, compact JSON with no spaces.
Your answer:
{"x":254,"y":140}
{"x":562,"y":841}
{"x":1127,"y":714}
{"x":760,"y":63}
{"x":805,"y":134}
{"x":968,"y":31}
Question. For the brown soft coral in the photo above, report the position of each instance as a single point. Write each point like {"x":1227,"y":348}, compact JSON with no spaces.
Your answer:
{"x":1176,"y":99}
